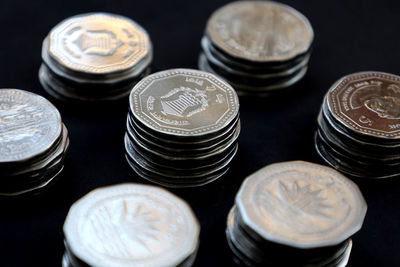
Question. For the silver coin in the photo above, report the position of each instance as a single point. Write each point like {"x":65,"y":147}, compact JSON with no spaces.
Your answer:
{"x":301,"y":204}
{"x":260,"y":31}
{"x":30,"y":125}
{"x":367,"y":103}
{"x":98,"y":43}
{"x":131,"y":224}
{"x":184,"y":102}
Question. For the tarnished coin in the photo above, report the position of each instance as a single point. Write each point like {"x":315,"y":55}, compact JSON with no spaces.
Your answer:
{"x":367,"y":103}
{"x":29,"y":126}
{"x":184,"y":102}
{"x":131,"y":225}
{"x":260,"y":31}
{"x":98,"y":43}
{"x":301,"y":204}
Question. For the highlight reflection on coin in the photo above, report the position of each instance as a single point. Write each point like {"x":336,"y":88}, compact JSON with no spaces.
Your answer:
{"x":131,"y":224}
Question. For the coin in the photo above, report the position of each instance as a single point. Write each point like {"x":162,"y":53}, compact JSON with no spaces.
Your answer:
{"x":94,"y":57}
{"x":184,"y":102}
{"x":98,"y":43}
{"x":131,"y":224}
{"x":268,"y":202}
{"x":29,"y":125}
{"x":260,"y":31}
{"x":368,"y":103}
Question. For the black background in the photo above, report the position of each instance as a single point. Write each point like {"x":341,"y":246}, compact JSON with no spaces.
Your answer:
{"x":350,"y":36}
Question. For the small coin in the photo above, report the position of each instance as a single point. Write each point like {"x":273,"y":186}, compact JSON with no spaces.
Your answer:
{"x":184,"y":102}
{"x":30,"y":125}
{"x":98,"y":43}
{"x":131,"y":224}
{"x":301,"y":204}
{"x":260,"y":31}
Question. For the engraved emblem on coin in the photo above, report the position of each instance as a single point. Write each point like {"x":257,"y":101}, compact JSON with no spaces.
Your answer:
{"x":132,"y":228}
{"x":302,"y":202}
{"x":28,"y":124}
{"x":182,"y":101}
{"x":260,"y":30}
{"x":369,"y":102}
{"x":98,"y":43}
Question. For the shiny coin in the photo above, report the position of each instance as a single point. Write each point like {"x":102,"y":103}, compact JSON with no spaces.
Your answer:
{"x":131,"y":224}
{"x":98,"y":43}
{"x":30,"y":125}
{"x":184,"y":102}
{"x":331,"y":210}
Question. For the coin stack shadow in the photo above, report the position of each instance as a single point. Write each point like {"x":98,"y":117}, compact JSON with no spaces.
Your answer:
{"x":355,"y":132}
{"x":194,"y":152}
{"x":130,"y":225}
{"x":33,"y":143}
{"x":95,"y":56}
{"x":257,"y":46}
{"x":287,"y":214}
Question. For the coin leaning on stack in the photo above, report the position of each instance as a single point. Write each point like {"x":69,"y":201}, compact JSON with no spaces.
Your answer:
{"x":257,"y":46}
{"x":33,"y":143}
{"x":359,"y":125}
{"x":182,"y":128}
{"x":130,"y":225}
{"x":304,"y":211}
{"x":94,"y":56}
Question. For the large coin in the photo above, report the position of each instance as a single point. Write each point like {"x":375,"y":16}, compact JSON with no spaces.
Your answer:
{"x":30,"y":125}
{"x":301,"y":204}
{"x":260,"y":31}
{"x":367,"y":103}
{"x":184,"y":102}
{"x":131,"y":225}
{"x":98,"y":43}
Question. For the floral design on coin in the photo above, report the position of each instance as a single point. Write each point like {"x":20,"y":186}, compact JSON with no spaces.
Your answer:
{"x":131,"y":224}
{"x":98,"y":43}
{"x":260,"y":31}
{"x":29,"y":125}
{"x":184,"y":102}
{"x":301,"y":204}
{"x":368,"y":102}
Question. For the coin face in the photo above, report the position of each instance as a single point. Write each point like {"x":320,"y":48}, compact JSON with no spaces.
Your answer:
{"x":260,"y":31}
{"x":29,"y":125}
{"x":301,"y":204}
{"x":368,"y":103}
{"x":98,"y":43}
{"x":130,"y":224}
{"x":184,"y":102}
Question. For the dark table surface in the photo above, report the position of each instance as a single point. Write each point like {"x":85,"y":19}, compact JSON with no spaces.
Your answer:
{"x":350,"y":36}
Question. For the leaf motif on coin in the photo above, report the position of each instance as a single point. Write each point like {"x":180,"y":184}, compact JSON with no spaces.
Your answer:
{"x":303,"y":198}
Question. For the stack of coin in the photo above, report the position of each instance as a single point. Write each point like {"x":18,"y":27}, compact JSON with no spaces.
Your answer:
{"x":95,"y":56}
{"x":258,"y":46}
{"x":130,"y":225}
{"x":182,"y":128}
{"x":295,"y":214}
{"x":33,"y":142}
{"x":359,"y":125}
